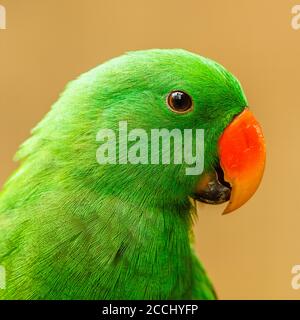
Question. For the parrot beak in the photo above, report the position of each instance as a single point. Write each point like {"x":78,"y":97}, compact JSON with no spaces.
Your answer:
{"x":242,"y":156}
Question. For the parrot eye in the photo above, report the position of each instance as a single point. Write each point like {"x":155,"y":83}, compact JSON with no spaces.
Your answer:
{"x":180,"y":102}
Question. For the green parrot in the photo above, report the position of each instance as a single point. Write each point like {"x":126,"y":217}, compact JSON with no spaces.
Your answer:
{"x":72,"y":228}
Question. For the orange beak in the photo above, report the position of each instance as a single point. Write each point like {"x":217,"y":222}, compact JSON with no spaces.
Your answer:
{"x":242,"y":156}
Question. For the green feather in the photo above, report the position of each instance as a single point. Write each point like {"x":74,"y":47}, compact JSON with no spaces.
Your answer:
{"x":73,"y":229}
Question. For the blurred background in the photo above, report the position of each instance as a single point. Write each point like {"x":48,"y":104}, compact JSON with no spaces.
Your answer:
{"x":248,"y":254}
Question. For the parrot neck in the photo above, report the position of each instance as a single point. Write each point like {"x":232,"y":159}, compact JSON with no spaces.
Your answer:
{"x":150,"y":243}
{"x":128,"y":241}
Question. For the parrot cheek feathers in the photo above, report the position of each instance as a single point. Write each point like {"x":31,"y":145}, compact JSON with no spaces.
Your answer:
{"x":242,"y":160}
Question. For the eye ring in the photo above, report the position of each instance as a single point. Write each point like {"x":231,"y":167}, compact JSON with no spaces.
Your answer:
{"x":180,"y":102}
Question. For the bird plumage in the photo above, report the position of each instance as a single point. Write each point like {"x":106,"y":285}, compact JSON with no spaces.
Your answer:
{"x":73,"y":229}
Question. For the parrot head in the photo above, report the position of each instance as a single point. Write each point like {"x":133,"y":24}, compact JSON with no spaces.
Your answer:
{"x":158,"y":89}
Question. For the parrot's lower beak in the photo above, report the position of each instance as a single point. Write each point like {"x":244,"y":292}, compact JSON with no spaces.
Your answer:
{"x":242,"y":160}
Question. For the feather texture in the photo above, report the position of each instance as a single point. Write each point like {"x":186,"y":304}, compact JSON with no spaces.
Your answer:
{"x":73,"y":229}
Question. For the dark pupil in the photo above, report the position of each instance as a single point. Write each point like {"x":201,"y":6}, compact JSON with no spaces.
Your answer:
{"x":180,"y":101}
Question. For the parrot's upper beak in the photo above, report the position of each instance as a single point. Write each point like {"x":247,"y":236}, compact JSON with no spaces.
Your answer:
{"x":242,"y":156}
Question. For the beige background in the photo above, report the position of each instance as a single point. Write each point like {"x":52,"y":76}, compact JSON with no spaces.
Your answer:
{"x":248,"y":254}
